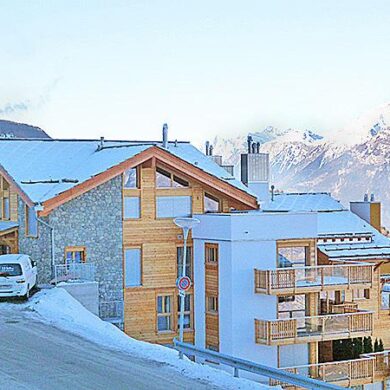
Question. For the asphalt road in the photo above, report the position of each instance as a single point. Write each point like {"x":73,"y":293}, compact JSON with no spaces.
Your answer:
{"x":36,"y":356}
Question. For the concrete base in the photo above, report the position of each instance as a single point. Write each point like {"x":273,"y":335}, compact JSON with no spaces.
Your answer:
{"x":87,"y":293}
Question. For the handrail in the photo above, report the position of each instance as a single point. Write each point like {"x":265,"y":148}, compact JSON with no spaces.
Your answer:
{"x":349,"y":264}
{"x":246,"y":365}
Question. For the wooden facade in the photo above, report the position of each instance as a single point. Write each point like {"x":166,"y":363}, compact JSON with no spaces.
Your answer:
{"x":158,"y":240}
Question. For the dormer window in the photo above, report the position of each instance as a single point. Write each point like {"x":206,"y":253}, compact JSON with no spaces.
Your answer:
{"x":165,"y":179}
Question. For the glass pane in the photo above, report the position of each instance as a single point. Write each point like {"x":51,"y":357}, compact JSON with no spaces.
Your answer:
{"x":159,"y":304}
{"x":32,"y":222}
{"x":133,"y":267}
{"x":211,"y":204}
{"x":131,"y":207}
{"x":163,"y":178}
{"x":293,"y":256}
{"x":6,"y":208}
{"x":167,"y":304}
{"x":163,"y":323}
{"x":188,"y":262}
{"x":130,"y":178}
{"x":187,"y":302}
{"x":78,"y":257}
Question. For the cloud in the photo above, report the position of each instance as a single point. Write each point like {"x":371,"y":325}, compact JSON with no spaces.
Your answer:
{"x":12,"y":108}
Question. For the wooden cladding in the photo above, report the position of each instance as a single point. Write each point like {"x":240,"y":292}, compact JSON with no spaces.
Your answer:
{"x":8,"y":201}
{"x":212,"y":296}
{"x":314,"y":329}
{"x":313,"y":279}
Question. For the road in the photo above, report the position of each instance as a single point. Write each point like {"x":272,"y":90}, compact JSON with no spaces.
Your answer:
{"x":36,"y":356}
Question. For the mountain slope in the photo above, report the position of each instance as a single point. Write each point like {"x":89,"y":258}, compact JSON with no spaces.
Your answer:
{"x":10,"y":129}
{"x":348,"y":166}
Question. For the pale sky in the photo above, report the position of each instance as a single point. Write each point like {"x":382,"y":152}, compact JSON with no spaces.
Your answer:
{"x":120,"y":69}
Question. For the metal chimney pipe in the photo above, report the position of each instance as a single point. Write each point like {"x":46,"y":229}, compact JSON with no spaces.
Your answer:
{"x":165,"y":136}
{"x":249,"y":141}
{"x":254,"y":148}
{"x":258,"y":147}
{"x":211,"y":150}
{"x":101,"y":144}
{"x":272,"y":192}
{"x":207,"y":147}
{"x":372,"y":198}
{"x":365,"y":199}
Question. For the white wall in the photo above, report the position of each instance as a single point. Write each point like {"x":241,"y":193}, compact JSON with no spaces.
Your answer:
{"x":246,"y":241}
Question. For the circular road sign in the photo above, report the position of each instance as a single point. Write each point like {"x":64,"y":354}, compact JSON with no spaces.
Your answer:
{"x":183,"y":283}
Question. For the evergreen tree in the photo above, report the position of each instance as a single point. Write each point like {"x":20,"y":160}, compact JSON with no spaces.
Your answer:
{"x":367,"y":345}
{"x":376,"y":346}
{"x":358,"y":347}
{"x":380,"y":346}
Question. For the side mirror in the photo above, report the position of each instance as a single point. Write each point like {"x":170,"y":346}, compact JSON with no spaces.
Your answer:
{"x":33,"y":263}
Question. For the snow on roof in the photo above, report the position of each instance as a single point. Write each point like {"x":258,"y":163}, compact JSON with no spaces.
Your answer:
{"x":346,"y":222}
{"x":7,"y":225}
{"x":316,"y":201}
{"x":58,"y":165}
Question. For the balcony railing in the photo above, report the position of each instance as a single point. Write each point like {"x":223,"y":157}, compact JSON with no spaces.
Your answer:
{"x":345,"y":373}
{"x":312,"y":279}
{"x":381,"y":364}
{"x":74,"y":272}
{"x":311,"y":329}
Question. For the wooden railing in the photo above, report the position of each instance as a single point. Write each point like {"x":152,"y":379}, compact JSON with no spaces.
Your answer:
{"x":381,"y":364}
{"x":345,"y":373}
{"x":312,"y":279}
{"x":316,"y":328}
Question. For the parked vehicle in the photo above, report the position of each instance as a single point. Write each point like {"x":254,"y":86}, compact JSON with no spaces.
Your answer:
{"x":18,"y":275}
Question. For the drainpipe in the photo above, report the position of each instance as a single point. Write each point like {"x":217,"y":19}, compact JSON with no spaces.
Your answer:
{"x":52,"y":233}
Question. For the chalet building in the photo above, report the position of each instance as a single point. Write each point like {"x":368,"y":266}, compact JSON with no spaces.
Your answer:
{"x":277,"y":278}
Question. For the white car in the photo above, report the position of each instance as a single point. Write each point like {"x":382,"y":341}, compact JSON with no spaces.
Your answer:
{"x":18,"y":275}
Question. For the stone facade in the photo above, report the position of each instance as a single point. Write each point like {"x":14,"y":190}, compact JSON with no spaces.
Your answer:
{"x":92,"y":220}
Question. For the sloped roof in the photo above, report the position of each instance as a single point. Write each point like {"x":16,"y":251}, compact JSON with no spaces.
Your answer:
{"x":305,"y":202}
{"x":46,"y":168}
{"x":346,"y":222}
{"x":7,"y":225}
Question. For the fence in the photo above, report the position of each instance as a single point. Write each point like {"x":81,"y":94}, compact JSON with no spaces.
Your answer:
{"x":74,"y":272}
{"x":248,"y":366}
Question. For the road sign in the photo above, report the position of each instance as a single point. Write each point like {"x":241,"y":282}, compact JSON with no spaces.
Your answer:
{"x":183,"y":283}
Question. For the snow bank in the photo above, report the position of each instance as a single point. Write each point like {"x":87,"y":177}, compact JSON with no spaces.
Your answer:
{"x":58,"y":308}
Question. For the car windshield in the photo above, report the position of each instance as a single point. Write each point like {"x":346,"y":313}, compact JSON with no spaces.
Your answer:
{"x":10,"y":270}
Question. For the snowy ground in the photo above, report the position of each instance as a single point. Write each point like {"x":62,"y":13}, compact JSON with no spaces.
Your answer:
{"x":57,"y":308}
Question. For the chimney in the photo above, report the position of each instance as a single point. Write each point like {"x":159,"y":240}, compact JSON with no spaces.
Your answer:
{"x":101,"y":144}
{"x":255,"y":170}
{"x":207,"y":148}
{"x":165,"y":136}
{"x":369,"y":210}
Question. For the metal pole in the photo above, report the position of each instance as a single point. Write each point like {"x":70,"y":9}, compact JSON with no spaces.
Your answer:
{"x":182,"y":294}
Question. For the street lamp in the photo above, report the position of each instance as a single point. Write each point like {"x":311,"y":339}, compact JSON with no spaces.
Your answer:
{"x":186,"y":224}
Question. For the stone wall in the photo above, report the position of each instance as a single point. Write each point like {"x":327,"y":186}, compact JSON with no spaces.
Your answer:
{"x":92,"y":220}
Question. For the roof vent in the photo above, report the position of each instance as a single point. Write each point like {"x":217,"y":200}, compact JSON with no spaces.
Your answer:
{"x":207,"y":148}
{"x":165,"y":136}
{"x":365,"y":199}
{"x":101,"y":144}
{"x":372,"y":198}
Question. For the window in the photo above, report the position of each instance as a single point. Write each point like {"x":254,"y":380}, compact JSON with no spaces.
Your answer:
{"x":293,"y":256}
{"x":173,"y":206}
{"x":75,"y":254}
{"x":131,"y":207}
{"x":5,"y":211}
{"x":133,"y":267}
{"x":166,"y":179}
{"x":31,"y":222}
{"x":187,"y":311}
{"x":211,"y":253}
{"x":164,"y":313}
{"x":212,"y":304}
{"x":211,"y":204}
{"x":361,"y":294}
{"x":130,"y":178}
{"x":180,"y":253}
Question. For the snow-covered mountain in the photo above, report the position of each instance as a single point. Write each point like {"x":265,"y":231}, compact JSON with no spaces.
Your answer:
{"x":10,"y":129}
{"x":354,"y":162}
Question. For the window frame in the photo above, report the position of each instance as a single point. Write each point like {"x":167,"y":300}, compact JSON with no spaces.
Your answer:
{"x":186,"y":312}
{"x":137,"y":179}
{"x":165,"y":314}
{"x":213,"y":198}
{"x":74,"y":249}
{"x":172,"y":197}
{"x":172,"y":176}
{"x":189,"y":264}
{"x":214,"y":310}
{"x":141,"y":267}
{"x":5,"y":196}
{"x":210,"y":247}
{"x":127,"y":218}
{"x":27,"y":221}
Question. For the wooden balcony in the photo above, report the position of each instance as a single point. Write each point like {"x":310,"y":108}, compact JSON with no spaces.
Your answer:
{"x":294,"y":280}
{"x":313,"y":329}
{"x":381,"y":365}
{"x":345,"y":373}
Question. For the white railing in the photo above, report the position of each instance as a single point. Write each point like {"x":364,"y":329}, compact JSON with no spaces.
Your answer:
{"x":74,"y":272}
{"x":112,"y":311}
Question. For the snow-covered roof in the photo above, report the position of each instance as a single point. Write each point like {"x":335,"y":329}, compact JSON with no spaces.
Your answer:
{"x":54,"y":166}
{"x":316,"y":201}
{"x":7,"y":225}
{"x":346,"y":222}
